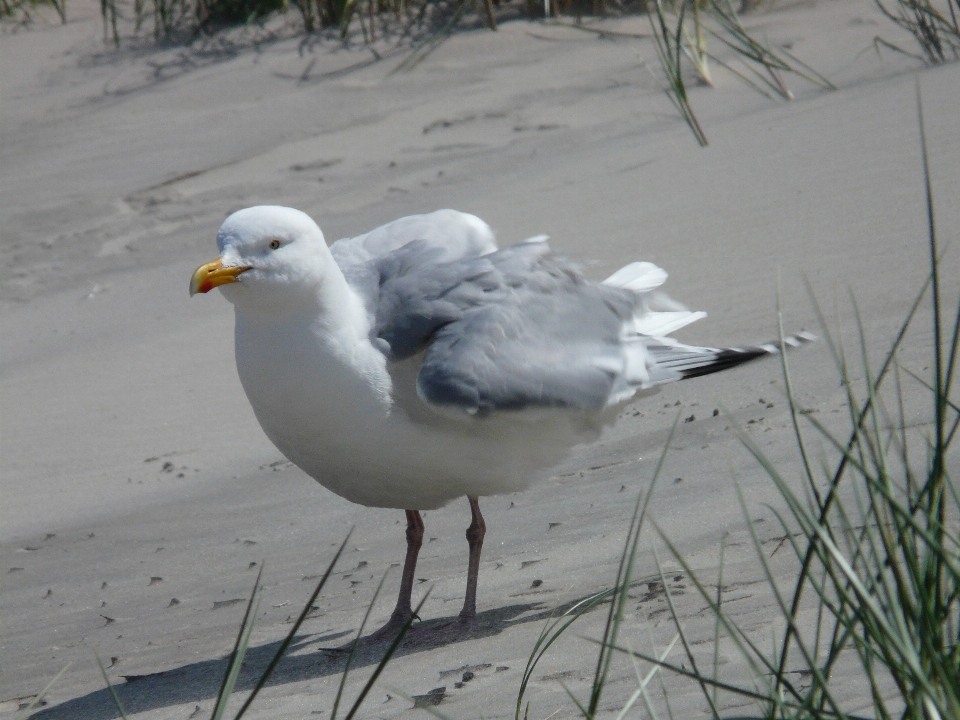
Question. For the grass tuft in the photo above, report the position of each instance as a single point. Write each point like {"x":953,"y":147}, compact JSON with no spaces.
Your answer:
{"x":874,"y":606}
{"x":23,"y":11}
{"x":554,"y":628}
{"x":933,"y":23}
{"x":669,"y":44}
{"x":243,"y":640}
{"x":674,"y":39}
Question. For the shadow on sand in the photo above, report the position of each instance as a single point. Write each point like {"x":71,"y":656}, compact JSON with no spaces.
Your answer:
{"x":199,"y":681}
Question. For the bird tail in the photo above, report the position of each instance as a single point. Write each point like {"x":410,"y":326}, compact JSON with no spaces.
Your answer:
{"x":674,"y":361}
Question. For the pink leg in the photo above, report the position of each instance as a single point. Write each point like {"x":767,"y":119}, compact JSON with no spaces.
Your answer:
{"x":404,"y":609}
{"x":475,"y":534}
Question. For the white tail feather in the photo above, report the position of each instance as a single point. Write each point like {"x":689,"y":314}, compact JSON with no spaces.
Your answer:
{"x":661,"y":324}
{"x":638,"y":276}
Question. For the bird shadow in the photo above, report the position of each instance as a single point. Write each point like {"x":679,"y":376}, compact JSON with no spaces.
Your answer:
{"x":199,"y":681}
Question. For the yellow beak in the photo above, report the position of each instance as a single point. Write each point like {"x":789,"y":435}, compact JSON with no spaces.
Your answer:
{"x":214,"y":274}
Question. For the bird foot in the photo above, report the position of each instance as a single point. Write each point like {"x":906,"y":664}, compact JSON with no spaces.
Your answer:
{"x":392,"y":628}
{"x":459,"y":628}
{"x":432,"y":633}
{"x":467,"y":620}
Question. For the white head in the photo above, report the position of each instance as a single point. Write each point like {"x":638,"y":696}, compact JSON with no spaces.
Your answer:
{"x":269,"y":256}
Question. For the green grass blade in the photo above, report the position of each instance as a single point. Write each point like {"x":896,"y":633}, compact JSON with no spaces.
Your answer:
{"x":28,"y":710}
{"x":239,"y":652}
{"x":643,"y":681}
{"x":551,"y":633}
{"x":759,"y":664}
{"x":293,"y":630}
{"x":353,"y":649}
{"x":732,"y":688}
{"x":716,"y":624}
{"x":113,"y":691}
{"x":683,"y":637}
{"x":580,"y":706}
{"x":669,"y":49}
{"x":627,"y":562}
{"x":386,"y":658}
{"x":236,"y":656}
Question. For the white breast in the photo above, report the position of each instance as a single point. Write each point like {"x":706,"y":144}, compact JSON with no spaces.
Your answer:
{"x":328,"y":403}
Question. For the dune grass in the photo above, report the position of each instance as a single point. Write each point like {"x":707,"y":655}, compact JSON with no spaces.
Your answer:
{"x":23,"y":11}
{"x":935,"y":24}
{"x":235,"y":662}
{"x":680,"y":30}
{"x":875,"y":534}
{"x":618,"y":598}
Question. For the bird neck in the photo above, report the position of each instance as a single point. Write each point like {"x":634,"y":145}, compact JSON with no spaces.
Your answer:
{"x":323,"y":333}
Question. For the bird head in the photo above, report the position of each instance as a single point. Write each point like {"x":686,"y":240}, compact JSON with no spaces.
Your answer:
{"x":268,"y":253}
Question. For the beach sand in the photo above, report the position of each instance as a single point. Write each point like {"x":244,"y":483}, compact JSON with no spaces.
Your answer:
{"x":139,"y":495}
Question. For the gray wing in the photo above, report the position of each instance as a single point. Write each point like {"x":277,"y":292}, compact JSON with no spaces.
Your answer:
{"x":567,"y":351}
{"x":560,"y":350}
{"x":446,"y":235}
{"x":517,"y":328}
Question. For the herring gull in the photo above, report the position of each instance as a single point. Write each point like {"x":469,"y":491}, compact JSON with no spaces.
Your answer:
{"x":418,"y":363}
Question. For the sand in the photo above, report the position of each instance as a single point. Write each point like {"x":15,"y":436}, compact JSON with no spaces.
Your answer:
{"x":139,"y":496}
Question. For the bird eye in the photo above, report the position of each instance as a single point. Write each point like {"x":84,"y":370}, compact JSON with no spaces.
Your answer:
{"x":274,"y":244}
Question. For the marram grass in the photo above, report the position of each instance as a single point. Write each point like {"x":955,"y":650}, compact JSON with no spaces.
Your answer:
{"x":876,"y":538}
{"x":934,"y":24}
{"x":235,"y":663}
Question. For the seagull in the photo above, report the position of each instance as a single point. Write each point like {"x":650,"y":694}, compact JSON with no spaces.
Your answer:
{"x":418,"y":363}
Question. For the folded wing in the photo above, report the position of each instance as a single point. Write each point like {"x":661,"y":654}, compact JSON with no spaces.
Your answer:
{"x":502,"y":330}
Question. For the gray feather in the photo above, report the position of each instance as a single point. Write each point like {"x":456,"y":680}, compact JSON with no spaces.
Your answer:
{"x":451,"y":235}
{"x":516,"y":328}
{"x":559,"y":350}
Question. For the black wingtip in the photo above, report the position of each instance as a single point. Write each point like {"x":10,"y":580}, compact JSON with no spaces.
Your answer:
{"x":727,"y":358}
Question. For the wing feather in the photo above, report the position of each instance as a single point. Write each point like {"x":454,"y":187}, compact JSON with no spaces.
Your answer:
{"x":520,"y":327}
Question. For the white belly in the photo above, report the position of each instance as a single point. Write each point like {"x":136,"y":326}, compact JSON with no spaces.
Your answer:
{"x":345,"y":427}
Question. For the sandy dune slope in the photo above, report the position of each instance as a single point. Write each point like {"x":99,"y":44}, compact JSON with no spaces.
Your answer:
{"x":138,"y":495}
